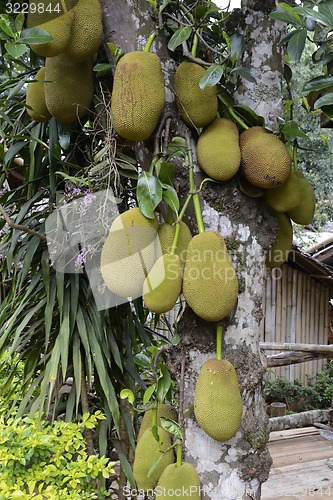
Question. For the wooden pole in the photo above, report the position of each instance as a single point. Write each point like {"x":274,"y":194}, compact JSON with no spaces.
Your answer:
{"x":275,"y":346}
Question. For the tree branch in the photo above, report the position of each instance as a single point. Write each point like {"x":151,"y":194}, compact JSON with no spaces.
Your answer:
{"x":24,"y":229}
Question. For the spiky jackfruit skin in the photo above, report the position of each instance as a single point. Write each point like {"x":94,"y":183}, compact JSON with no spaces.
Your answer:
{"x":35,"y":98}
{"x":303,"y":212}
{"x":217,"y":400}
{"x":129,"y":253}
{"x":266,"y":162}
{"x":148,"y":450}
{"x":138,"y":95}
{"x":218,"y":150}
{"x":166,"y":234}
{"x":60,"y":30}
{"x":197,"y":107}
{"x":87,"y":30}
{"x":210,"y":284}
{"x":163,"y":410}
{"x":278,"y":253}
{"x":176,"y":479}
{"x":69,"y":92}
{"x":163,"y":284}
{"x":285,"y":197}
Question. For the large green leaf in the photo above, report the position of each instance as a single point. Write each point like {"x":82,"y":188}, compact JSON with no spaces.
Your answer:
{"x":149,"y":193}
{"x":325,"y":100}
{"x":211,"y":76}
{"x":296,"y":44}
{"x":180,"y":36}
{"x":318,"y":83}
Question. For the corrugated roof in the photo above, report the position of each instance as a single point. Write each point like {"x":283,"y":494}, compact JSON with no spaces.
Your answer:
{"x":312,"y":266}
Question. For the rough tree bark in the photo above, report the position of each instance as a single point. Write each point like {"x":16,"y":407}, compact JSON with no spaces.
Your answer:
{"x":236,"y":469}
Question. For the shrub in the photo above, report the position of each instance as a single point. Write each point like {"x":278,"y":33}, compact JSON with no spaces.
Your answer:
{"x":39,"y":461}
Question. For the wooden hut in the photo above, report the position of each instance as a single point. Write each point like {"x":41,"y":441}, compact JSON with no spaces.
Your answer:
{"x":297,"y":309}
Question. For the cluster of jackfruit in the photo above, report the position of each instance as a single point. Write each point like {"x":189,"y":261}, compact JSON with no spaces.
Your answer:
{"x":137,"y":260}
{"x":64,"y":87}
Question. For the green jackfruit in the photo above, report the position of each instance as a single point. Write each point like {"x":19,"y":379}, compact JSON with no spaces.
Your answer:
{"x":217,"y":400}
{"x":218,"y":150}
{"x":128,"y":253}
{"x":58,"y":26}
{"x":163,"y":410}
{"x":266,"y":162}
{"x":69,"y":92}
{"x":278,"y":253}
{"x":197,"y":107}
{"x":176,"y":479}
{"x":44,"y":11}
{"x":138,"y":95}
{"x":210,"y":284}
{"x":35,"y":98}
{"x":163,"y":284}
{"x":87,"y":30}
{"x":286,"y":196}
{"x":166,"y":234}
{"x":147,"y":452}
{"x":303,"y":212}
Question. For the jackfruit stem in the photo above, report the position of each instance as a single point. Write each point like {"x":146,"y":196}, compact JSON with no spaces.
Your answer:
{"x":237,"y":119}
{"x":177,"y":231}
{"x":179,"y":453}
{"x":64,"y":8}
{"x":195,"y":45}
{"x":219,"y":333}
{"x":153,"y":416}
{"x":196,"y":201}
{"x":150,"y":42}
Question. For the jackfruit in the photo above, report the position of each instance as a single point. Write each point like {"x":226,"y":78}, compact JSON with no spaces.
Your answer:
{"x":46,"y":10}
{"x":278,"y":253}
{"x":163,"y":410}
{"x":138,"y":95}
{"x":217,"y":400}
{"x":218,"y":150}
{"x":69,"y":92}
{"x":58,"y":26}
{"x":210,"y":284}
{"x":197,"y":107}
{"x":286,"y":196}
{"x":163,"y":284}
{"x":147,"y":452}
{"x":265,"y":162}
{"x":87,"y":30}
{"x":129,"y":253}
{"x":176,"y":479}
{"x":303,"y":212}
{"x":35,"y":98}
{"x":166,"y":234}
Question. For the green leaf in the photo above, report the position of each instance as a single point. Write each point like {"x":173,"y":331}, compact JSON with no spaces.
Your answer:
{"x":163,"y":384}
{"x":171,"y":198}
{"x":237,"y":45}
{"x":244,"y":73}
{"x":153,"y":3}
{"x":164,"y":4}
{"x":16,"y":50}
{"x":148,"y":394}
{"x":326,"y":8}
{"x":35,"y":36}
{"x":102,"y":67}
{"x":6,"y":26}
{"x":249,"y":115}
{"x":179,"y":37}
{"x":211,"y":76}
{"x":165,"y":172}
{"x":285,"y":17}
{"x":127,"y":394}
{"x":327,"y":20}
{"x":328,"y":111}
{"x":19,"y":22}
{"x":318,"y":83}
{"x":325,"y":100}
{"x":149,"y":194}
{"x":172,"y":427}
{"x":296,"y":44}
{"x":291,"y":131}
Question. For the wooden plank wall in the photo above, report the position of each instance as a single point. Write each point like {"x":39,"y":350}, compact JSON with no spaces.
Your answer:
{"x":296,"y":309}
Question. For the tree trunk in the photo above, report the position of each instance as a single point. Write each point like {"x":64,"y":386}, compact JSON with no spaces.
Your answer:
{"x":236,"y":469}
